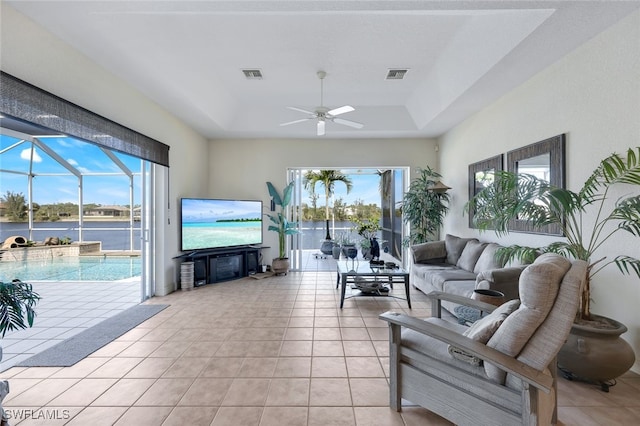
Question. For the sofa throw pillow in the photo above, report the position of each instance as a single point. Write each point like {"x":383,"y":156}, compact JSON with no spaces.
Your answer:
{"x":454,"y":246}
{"x":539,"y":284}
{"x":487,"y":259}
{"x":470,"y":255}
{"x":431,"y":251}
{"x":482,"y":330}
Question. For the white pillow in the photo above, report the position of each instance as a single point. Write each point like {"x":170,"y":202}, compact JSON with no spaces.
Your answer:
{"x":483,"y":329}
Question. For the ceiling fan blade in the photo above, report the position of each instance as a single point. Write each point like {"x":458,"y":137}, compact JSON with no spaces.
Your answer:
{"x":341,"y":110}
{"x":301,"y":110}
{"x":349,"y":123}
{"x":321,"y":127}
{"x":296,"y":121}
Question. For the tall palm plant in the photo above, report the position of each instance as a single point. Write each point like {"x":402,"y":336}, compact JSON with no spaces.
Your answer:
{"x":423,"y":208}
{"x":328,"y":179}
{"x":526,"y":197}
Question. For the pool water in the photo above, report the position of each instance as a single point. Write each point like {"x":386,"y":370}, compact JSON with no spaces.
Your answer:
{"x":85,"y":268}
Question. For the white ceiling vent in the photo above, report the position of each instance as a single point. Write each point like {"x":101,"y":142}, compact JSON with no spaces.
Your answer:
{"x":396,"y":74}
{"x":254,"y":74}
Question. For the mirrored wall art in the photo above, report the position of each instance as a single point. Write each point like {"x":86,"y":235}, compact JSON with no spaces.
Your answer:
{"x":545,"y":160}
{"x":481,"y":175}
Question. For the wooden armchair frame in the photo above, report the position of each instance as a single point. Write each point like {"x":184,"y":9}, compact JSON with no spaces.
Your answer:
{"x":449,"y":390}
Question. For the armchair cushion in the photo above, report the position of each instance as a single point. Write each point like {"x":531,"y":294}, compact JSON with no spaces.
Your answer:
{"x":538,"y":287}
{"x":434,"y":347}
{"x":483,"y":329}
{"x":470,"y":255}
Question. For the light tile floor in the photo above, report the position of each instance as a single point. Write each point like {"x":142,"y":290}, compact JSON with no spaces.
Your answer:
{"x":65,"y":309}
{"x":275,"y":351}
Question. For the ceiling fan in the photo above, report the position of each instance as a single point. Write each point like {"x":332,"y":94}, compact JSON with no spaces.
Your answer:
{"x":324,"y":114}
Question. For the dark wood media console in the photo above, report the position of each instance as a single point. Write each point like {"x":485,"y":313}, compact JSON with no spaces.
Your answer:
{"x":212,"y":266}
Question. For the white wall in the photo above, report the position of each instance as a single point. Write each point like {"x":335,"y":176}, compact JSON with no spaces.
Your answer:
{"x":241,"y":168}
{"x":592,"y":95}
{"x":34,"y":55}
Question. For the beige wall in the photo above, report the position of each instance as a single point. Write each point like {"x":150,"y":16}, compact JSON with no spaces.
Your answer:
{"x":34,"y":55}
{"x":241,"y":168}
{"x":592,"y":95}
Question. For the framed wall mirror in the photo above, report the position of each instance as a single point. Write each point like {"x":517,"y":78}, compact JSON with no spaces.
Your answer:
{"x":481,"y":175}
{"x":545,"y":160}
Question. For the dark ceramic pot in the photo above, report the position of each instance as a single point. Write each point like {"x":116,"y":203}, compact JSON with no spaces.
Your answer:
{"x":327,"y":246}
{"x":596,"y":354}
{"x":350,"y":251}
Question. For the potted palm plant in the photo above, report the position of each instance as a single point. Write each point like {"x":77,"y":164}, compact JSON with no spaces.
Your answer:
{"x":424,"y":206}
{"x":281,"y":225}
{"x":587,"y":219}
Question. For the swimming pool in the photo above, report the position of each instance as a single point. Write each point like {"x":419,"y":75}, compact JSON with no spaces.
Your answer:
{"x":85,"y":268}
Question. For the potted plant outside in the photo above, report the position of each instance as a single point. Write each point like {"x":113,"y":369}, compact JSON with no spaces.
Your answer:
{"x":368,"y":230}
{"x":424,"y":207}
{"x":341,"y":240}
{"x":523,"y":196}
{"x":281,"y":225}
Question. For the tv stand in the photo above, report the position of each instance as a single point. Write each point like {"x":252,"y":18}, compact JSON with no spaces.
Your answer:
{"x":217,"y":265}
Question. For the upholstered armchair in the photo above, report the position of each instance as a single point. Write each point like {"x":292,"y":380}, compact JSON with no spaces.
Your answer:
{"x":501,"y":370}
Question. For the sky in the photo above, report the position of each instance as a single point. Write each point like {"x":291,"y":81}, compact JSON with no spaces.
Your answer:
{"x":365,"y":188}
{"x":55,"y":184}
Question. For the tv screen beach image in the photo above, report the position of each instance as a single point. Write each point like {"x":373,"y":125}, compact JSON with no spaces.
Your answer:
{"x":209,"y":223}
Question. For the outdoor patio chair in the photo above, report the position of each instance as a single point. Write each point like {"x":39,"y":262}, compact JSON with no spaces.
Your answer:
{"x":500,"y":371}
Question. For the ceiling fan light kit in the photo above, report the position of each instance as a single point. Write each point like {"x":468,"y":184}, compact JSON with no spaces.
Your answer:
{"x":323,"y":114}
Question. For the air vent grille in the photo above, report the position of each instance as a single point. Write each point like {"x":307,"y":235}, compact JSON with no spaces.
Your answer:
{"x":253,"y":74}
{"x":396,"y":74}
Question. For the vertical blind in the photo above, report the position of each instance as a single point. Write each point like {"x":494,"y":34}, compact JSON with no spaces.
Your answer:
{"x":23,"y":101}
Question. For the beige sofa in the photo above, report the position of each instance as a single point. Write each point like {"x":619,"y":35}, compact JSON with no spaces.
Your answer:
{"x":458,"y":266}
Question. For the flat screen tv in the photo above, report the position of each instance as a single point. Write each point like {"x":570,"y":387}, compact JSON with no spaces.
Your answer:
{"x":217,"y":223}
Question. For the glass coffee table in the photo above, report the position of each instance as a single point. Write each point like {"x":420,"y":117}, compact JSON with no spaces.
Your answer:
{"x":371,"y":280}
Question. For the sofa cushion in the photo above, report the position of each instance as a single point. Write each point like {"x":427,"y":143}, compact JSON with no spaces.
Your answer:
{"x":454,"y":246}
{"x":438,"y":278}
{"x":483,"y":329}
{"x":538,"y":288}
{"x":459,"y":288}
{"x":470,"y":255}
{"x":487,"y":259}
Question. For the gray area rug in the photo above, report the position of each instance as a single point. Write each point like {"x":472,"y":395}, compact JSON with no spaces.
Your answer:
{"x":73,"y":349}
{"x":466,"y":314}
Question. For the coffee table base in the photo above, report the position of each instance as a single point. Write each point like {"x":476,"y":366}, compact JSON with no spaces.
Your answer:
{"x":352,"y":277}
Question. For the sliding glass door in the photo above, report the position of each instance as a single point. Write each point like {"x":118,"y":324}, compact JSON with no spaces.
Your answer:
{"x":375,"y":195}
